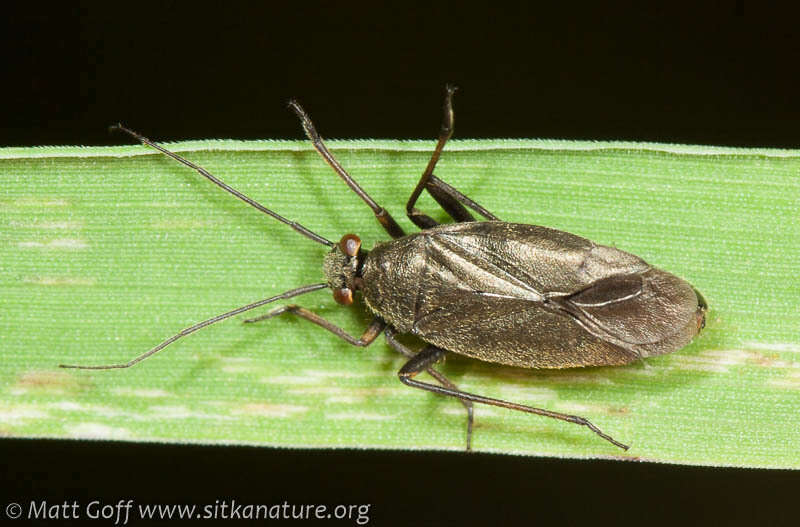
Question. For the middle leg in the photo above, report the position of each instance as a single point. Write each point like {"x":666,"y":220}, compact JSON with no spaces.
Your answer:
{"x":451,"y":200}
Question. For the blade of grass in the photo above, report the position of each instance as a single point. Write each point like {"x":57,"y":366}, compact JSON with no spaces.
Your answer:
{"x":107,"y":251}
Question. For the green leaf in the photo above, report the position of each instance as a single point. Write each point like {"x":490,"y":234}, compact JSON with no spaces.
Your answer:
{"x":108,"y":251}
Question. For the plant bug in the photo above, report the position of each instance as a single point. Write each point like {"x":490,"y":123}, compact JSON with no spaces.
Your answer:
{"x":513,"y":294}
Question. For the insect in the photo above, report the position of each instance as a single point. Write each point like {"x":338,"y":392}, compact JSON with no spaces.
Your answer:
{"x":513,"y":294}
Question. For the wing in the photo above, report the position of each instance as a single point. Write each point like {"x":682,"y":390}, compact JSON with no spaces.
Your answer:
{"x":530,"y":296}
{"x":650,"y":313}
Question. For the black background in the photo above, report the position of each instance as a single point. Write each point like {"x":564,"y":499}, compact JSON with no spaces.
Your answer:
{"x":725,"y":75}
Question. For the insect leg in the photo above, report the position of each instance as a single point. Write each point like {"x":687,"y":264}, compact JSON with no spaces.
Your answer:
{"x":430,"y":355}
{"x":452,"y":201}
{"x":403,"y":350}
{"x":369,"y":335}
{"x":383,"y":216}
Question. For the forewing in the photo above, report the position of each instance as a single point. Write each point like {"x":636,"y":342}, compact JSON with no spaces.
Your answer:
{"x":546,"y":298}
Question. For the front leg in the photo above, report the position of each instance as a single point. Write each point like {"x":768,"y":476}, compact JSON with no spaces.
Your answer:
{"x":369,"y":335}
{"x":384,"y":218}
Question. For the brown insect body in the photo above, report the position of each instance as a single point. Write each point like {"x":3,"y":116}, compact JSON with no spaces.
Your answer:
{"x":525,"y":295}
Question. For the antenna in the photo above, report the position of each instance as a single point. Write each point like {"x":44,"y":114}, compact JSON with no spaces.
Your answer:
{"x":224,"y":186}
{"x":191,"y":329}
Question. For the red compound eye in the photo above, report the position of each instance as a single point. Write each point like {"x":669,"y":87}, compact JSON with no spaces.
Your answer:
{"x":350,"y":244}
{"x":343,"y":296}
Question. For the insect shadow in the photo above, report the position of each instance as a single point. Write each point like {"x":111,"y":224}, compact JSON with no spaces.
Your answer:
{"x":506,"y":293}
